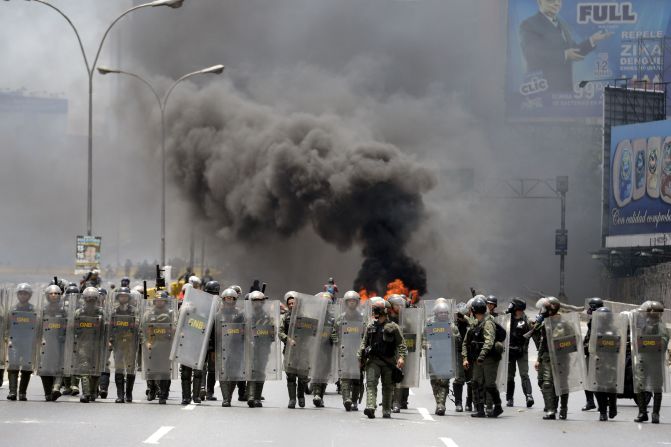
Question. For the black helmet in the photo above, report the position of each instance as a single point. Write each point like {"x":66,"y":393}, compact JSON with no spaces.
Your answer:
{"x":478,"y":306}
{"x":212,"y":287}
{"x":519,"y":304}
{"x":491,"y":299}
{"x":594,"y":304}
{"x":71,"y":289}
{"x":125,"y":281}
{"x":603,"y":309}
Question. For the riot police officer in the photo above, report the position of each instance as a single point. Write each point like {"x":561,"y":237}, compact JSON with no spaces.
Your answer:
{"x":481,"y":351}
{"x":464,"y":376}
{"x":21,"y":341}
{"x":88,"y":347}
{"x":518,"y":357}
{"x":382,"y":348}
{"x":207,"y":388}
{"x":53,"y":327}
{"x":123,"y":342}
{"x":347,"y":333}
{"x":230,"y":335}
{"x":592,"y":305}
{"x":257,"y":317}
{"x":548,"y":308}
{"x":295,"y":383}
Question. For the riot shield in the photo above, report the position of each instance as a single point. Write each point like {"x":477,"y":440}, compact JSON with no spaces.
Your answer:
{"x":439,"y":340}
{"x":157,"y":331}
{"x":323,"y":359}
{"x":350,"y":325}
{"x":85,"y":338}
{"x":22,"y":325}
{"x":502,"y":371}
{"x":52,"y":336}
{"x":649,"y":339}
{"x":230,"y":341}
{"x":262,"y":349}
{"x":196,"y":317}
{"x":607,"y":353}
{"x":124,"y":334}
{"x":412,"y":325}
{"x":306,"y":318}
{"x":566,"y":353}
{"x":4,"y":305}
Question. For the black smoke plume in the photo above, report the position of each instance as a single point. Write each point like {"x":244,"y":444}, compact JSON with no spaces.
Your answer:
{"x":256,"y":175}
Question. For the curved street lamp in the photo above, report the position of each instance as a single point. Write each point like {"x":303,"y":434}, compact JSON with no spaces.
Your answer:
{"x":162,"y":103}
{"x":90,"y":70}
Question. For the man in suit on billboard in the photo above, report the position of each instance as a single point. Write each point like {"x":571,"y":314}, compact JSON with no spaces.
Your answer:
{"x":547,"y":46}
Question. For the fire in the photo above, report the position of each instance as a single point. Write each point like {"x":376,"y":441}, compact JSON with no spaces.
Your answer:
{"x":396,"y":287}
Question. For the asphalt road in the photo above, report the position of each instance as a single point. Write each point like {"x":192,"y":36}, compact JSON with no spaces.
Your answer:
{"x":104,"y":423}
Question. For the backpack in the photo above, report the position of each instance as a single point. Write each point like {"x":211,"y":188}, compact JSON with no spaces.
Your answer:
{"x":500,"y":333}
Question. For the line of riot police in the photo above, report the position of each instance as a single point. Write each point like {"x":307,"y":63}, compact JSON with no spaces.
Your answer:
{"x":83,"y":336}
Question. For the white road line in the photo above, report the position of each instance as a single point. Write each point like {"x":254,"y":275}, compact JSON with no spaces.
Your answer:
{"x":425,"y":414}
{"x":448,"y":442}
{"x":411,"y":392}
{"x":158,"y":434}
{"x":189,"y":407}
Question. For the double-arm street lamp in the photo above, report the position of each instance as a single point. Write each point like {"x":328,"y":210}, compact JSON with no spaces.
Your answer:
{"x":162,"y":103}
{"x":90,"y":70}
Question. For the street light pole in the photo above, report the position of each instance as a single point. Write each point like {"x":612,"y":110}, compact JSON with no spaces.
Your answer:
{"x":162,"y":104}
{"x":90,"y":69}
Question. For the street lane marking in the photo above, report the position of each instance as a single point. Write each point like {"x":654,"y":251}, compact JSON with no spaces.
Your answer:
{"x":189,"y":407}
{"x":425,"y":414}
{"x":161,"y":432}
{"x":448,"y":442}
{"x":411,"y":392}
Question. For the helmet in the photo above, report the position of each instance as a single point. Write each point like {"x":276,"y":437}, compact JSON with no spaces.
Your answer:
{"x":379,"y":306}
{"x":351,"y":295}
{"x":162,"y":295}
{"x":229,"y":293}
{"x":24,"y":287}
{"x":548,"y":305}
{"x":212,"y":287}
{"x":71,"y":289}
{"x":603,"y":309}
{"x":195,"y":281}
{"x":95,"y":272}
{"x":491,"y":299}
{"x":479,"y":305}
{"x":289,"y":294}
{"x":123,"y":291}
{"x":331,"y":281}
{"x":236,"y":288}
{"x":257,"y":295}
{"x":441,"y":308}
{"x":375,"y":299}
{"x":594,"y":304}
{"x":53,"y":289}
{"x":651,"y":306}
{"x":102,"y":291}
{"x":461,"y":308}
{"x":469,"y":303}
{"x":518,"y":303}
{"x":90,"y":293}
{"x":325,"y":295}
{"x":396,"y":300}
{"x":387,"y":304}
{"x":125,"y":281}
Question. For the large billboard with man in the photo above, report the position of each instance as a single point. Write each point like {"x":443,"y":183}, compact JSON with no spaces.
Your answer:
{"x":553,"y":45}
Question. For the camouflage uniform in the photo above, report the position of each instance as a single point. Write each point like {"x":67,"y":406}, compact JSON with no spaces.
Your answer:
{"x":441,"y":387}
{"x":480,"y":350}
{"x":295,"y":389}
{"x":89,"y":351}
{"x":350,"y":388}
{"x":381,"y":346}
{"x":545,"y":376}
{"x":157,"y":387}
{"x":260,"y":355}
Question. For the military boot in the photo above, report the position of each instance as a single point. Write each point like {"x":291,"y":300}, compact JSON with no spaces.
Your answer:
{"x":209,"y":386}
{"x":130,"y":381}
{"x":589,"y":404}
{"x":526,"y":388}
{"x":642,"y":408}
{"x":46,"y":386}
{"x":563,"y":408}
{"x":441,"y":398}
{"x":104,"y":385}
{"x":226,"y":392}
{"x":74,"y":385}
{"x":371,"y":400}
{"x":186,"y":391}
{"x":196,"y":389}
{"x":458,"y":390}
{"x":56,"y":389}
{"x":23,"y":385}
{"x":550,"y":404}
{"x":469,"y":397}
{"x":93,"y":390}
{"x":356,"y":394}
{"x":86,"y":385}
{"x":251,"y":386}
{"x":258,"y":394}
{"x":151,"y":390}
{"x":396,"y":401}
{"x":300,"y":392}
{"x":510,"y":393}
{"x":317,"y":394}
{"x":656,"y":406}
{"x":479,"y":411}
{"x":118,"y":381}
{"x":291,"y":388}
{"x":612,"y":406}
{"x":346,"y":393}
{"x":67,"y":388}
{"x":387,"y":398}
{"x":496,"y":400}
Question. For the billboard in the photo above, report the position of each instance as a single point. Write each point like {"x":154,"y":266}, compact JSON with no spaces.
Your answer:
{"x":640,"y":185}
{"x":554,"y":45}
{"x":87,"y":255}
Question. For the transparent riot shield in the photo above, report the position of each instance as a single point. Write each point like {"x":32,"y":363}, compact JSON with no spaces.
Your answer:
{"x":85,"y":338}
{"x":306,"y":318}
{"x":51,"y":339}
{"x":262,"y":347}
{"x":649,"y":340}
{"x":123,"y":334}
{"x":350,"y":326}
{"x":607,"y":353}
{"x":323,"y":362}
{"x":196,"y":317}
{"x":4,"y":305}
{"x":230,"y":341}
{"x":502,"y":371}
{"x":22,"y":325}
{"x":412,"y":326}
{"x":439,"y":340}
{"x":566,"y":353}
{"x":157,"y":331}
